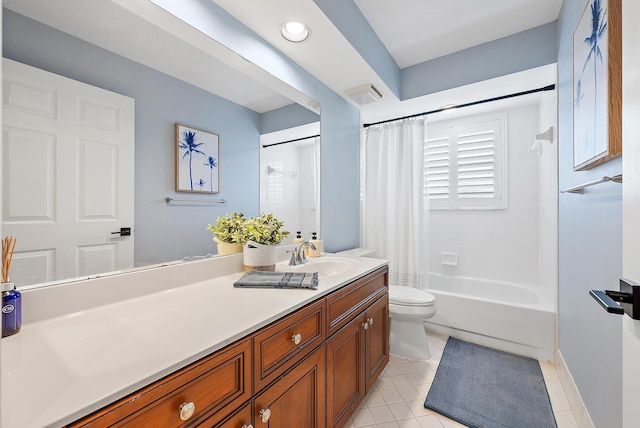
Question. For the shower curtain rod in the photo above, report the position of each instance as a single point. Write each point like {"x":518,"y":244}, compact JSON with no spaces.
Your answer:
{"x":473,"y":103}
{"x":264,"y":146}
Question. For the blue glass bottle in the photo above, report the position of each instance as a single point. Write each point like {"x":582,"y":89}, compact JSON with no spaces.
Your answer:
{"x":11,"y":309}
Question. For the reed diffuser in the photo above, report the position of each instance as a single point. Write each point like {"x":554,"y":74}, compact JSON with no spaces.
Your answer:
{"x":11,"y":298}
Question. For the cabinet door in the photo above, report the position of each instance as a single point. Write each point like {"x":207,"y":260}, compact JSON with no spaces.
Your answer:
{"x":297,"y":399}
{"x":345,"y":371}
{"x":377,"y":339}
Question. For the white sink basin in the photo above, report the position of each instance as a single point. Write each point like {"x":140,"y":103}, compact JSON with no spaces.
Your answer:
{"x":324,"y":265}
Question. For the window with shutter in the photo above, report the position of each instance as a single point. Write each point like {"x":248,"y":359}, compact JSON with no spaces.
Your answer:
{"x":465,"y":163}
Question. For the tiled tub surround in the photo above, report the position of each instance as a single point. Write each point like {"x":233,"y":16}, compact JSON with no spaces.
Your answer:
{"x":87,"y":344}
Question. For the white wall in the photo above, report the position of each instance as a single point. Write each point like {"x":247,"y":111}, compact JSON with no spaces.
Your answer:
{"x":500,"y":245}
{"x":290,"y":192}
{"x":309,"y":192}
{"x":278,"y":187}
{"x":548,"y":200}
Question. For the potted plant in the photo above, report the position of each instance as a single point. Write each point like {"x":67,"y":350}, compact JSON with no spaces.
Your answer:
{"x":229,"y":233}
{"x":260,"y":237}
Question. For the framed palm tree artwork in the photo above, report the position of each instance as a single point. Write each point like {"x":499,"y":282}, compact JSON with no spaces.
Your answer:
{"x":197,"y":160}
{"x":597,"y":84}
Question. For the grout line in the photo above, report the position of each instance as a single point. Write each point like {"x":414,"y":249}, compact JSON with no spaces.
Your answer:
{"x":386,"y":398}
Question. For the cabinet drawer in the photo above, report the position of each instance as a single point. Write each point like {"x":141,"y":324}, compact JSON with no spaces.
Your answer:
{"x":346,"y":303}
{"x":275,"y":348}
{"x":240,"y":419}
{"x":218,"y":382}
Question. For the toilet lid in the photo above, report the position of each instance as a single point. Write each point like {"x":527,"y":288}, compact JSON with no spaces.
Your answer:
{"x":410,"y":296}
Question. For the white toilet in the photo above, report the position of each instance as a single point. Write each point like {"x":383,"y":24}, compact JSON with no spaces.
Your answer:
{"x":409,"y":308}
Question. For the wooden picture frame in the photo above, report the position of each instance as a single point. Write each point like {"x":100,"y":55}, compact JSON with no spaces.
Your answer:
{"x":597,"y":84}
{"x":197,"y":160}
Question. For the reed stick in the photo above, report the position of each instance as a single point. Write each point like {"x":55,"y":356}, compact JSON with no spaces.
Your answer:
{"x":8,"y":247}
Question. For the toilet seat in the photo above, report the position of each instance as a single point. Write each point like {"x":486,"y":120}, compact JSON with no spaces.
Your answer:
{"x":409,"y":296}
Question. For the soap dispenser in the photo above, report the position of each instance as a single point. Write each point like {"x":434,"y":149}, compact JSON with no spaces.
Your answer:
{"x":318,"y":244}
{"x":298,"y":239}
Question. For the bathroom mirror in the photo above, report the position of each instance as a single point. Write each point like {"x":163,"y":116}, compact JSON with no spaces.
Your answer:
{"x":289,"y":178}
{"x":170,"y":81}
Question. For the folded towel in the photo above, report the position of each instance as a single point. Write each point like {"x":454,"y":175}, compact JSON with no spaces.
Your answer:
{"x":261,"y":279}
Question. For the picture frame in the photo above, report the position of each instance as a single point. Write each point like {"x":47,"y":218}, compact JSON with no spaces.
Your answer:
{"x":597,"y":84}
{"x":197,"y":160}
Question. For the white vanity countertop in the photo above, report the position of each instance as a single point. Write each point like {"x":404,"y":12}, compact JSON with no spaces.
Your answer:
{"x":58,"y":370}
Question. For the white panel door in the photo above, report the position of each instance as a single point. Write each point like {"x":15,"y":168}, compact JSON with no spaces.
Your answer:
{"x":630,"y":206}
{"x":68,"y":171}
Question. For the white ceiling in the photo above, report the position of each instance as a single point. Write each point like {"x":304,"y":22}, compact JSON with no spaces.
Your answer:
{"x":415,"y":31}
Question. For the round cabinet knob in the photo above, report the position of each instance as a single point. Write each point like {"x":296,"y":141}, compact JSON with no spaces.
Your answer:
{"x":264,"y":414}
{"x":296,"y":338}
{"x":365,"y":325}
{"x":246,"y":426}
{"x":186,"y":410}
{"x":370,"y":321}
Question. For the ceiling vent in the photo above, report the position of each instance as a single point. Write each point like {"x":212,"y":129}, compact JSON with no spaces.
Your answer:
{"x":364,"y":94}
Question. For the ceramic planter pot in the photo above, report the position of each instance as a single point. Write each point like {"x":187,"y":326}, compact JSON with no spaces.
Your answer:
{"x":225,"y":248}
{"x":259,"y":257}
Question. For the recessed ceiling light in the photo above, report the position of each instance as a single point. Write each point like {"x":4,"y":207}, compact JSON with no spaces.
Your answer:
{"x":295,"y":31}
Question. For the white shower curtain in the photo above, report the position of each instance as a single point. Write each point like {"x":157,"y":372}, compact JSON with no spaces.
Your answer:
{"x":394,"y":208}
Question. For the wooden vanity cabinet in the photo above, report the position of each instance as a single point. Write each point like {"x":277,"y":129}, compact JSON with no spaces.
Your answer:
{"x":349,"y":301}
{"x":345,"y":371}
{"x":358,"y":352}
{"x":242,"y":418}
{"x":376,"y":340}
{"x":309,"y":369}
{"x":297,"y":399}
{"x":215,"y":386}
{"x":279,"y":346}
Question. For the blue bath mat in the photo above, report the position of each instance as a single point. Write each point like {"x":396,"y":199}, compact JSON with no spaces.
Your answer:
{"x":485,"y":388}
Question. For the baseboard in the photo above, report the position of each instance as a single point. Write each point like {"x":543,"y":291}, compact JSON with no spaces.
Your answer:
{"x":580,"y":413}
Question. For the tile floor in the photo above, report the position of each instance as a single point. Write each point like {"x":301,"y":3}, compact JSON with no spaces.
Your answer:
{"x":397,"y":398}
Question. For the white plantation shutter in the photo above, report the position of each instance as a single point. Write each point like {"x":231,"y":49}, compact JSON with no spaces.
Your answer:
{"x":465,"y":163}
{"x":437,"y":169}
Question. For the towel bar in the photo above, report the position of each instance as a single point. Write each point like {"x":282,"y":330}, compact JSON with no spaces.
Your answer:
{"x":580,"y":188}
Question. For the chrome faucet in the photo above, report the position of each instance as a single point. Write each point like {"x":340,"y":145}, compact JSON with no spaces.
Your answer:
{"x":297,"y":256}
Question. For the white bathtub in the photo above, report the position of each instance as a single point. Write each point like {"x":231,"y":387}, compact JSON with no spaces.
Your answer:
{"x":505,"y":316}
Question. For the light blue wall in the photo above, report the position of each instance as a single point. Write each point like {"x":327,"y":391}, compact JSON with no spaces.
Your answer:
{"x":240,"y":186}
{"x":286,"y":117}
{"x":590,"y":256}
{"x":518,"y":52}
{"x":161,"y":231}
